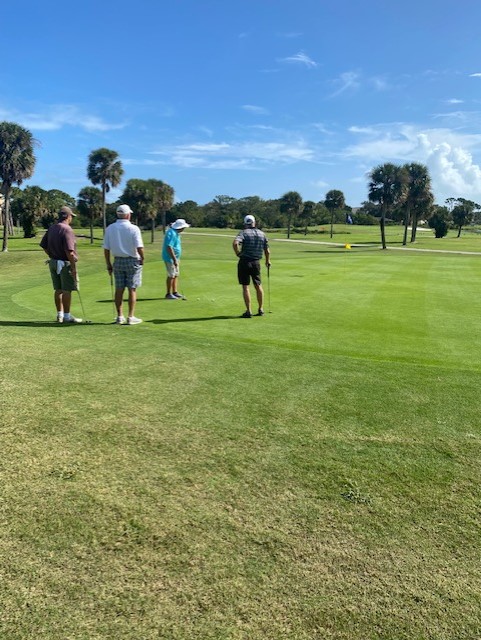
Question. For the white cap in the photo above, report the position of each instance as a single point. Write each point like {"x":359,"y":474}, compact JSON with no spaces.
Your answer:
{"x":180,"y":224}
{"x":124,"y":209}
{"x":249,"y":220}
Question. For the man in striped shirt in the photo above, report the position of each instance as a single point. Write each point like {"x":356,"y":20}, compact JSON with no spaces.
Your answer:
{"x":249,"y":245}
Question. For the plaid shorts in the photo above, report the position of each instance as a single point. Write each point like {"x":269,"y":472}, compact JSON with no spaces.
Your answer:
{"x":128,"y":273}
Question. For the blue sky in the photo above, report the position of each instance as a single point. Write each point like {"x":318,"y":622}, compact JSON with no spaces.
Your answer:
{"x":248,"y":97}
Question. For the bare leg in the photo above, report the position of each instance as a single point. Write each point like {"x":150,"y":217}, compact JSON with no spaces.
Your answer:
{"x":57,"y":296}
{"x":132,"y":301}
{"x":260,"y":295}
{"x":119,"y":294}
{"x":247,"y":296}
{"x":66,"y":301}
{"x":168,"y":283}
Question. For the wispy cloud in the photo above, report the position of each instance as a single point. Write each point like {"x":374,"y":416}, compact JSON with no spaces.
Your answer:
{"x":379,"y":83}
{"x":251,"y":108}
{"x":56,"y":117}
{"x":348,"y":81}
{"x":245,"y":155}
{"x":290,"y":34}
{"x":475,"y":75}
{"x":454,"y":101}
{"x":321,"y":184}
{"x":300,"y":58}
{"x":320,"y":126}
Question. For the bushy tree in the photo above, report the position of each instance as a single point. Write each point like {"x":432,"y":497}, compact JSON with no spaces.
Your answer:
{"x":439,"y":221}
{"x":190,"y":211}
{"x":463,"y":212}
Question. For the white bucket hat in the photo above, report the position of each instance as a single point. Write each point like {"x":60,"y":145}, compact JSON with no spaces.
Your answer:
{"x":180,"y":224}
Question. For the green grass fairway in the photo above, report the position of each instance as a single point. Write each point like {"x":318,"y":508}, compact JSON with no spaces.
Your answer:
{"x":314,"y":473}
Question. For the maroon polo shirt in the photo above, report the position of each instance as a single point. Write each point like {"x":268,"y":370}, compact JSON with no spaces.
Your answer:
{"x":59,"y":239}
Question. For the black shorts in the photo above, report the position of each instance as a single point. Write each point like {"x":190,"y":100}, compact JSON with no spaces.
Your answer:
{"x":247,"y":269}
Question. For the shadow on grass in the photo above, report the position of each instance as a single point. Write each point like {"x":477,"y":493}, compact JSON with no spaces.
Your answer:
{"x":159,"y":321}
{"x":109,"y":300}
{"x":338,"y":251}
{"x":44,"y":323}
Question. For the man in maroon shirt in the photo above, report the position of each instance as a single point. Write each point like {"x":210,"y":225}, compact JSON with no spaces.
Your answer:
{"x":60,"y":246}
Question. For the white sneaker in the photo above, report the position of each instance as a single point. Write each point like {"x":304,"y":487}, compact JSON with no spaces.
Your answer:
{"x":120,"y":320}
{"x":133,"y":320}
{"x":73,"y":320}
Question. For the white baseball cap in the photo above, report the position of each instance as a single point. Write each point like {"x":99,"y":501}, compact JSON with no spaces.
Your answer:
{"x":249,"y":220}
{"x":180,"y":224}
{"x":124,"y":209}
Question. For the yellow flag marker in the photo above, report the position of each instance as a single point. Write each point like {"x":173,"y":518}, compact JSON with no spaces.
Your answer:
{"x":347,"y":246}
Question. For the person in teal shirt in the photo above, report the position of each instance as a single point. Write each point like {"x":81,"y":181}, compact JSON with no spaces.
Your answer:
{"x":171,"y":252}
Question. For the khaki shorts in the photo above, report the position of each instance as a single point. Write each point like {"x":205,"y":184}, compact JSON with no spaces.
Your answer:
{"x":172,"y":270}
{"x":63,"y":281}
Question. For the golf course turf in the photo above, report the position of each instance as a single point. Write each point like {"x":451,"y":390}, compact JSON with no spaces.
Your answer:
{"x":312,"y":473}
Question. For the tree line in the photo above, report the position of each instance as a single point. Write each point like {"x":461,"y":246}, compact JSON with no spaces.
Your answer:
{"x":396,"y":194}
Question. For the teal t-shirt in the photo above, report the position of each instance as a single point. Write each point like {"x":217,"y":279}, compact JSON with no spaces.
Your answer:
{"x":171,"y":239}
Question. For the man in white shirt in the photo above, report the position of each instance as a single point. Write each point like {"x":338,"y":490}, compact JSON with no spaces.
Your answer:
{"x":123,"y":241}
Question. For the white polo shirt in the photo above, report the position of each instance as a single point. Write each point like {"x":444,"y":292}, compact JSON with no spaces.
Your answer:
{"x":122,"y":238}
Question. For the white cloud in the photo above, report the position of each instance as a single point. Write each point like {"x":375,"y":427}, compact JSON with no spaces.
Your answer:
{"x":251,"y":108}
{"x":56,"y":117}
{"x":454,"y":101}
{"x":475,"y":75}
{"x":300,"y":58}
{"x":447,"y":153}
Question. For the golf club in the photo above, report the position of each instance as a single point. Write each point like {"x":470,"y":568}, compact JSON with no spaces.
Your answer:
{"x":82,"y":306}
{"x":269,"y":287}
{"x":77,"y":281}
{"x":178,"y":287}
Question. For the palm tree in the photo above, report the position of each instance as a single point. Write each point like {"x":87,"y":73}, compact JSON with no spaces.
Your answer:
{"x":290,"y":203}
{"x":419,"y":197}
{"x":334,"y":201}
{"x":104,"y":168}
{"x":164,"y":200}
{"x":307,"y":214}
{"x":89,"y":204}
{"x":17,"y":163}
{"x":387,"y":187}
